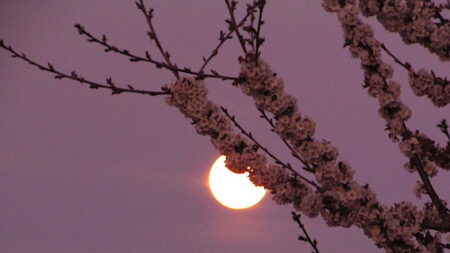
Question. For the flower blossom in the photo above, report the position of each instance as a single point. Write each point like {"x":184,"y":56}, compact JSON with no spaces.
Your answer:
{"x":343,"y":201}
{"x":413,"y":20}
{"x":376,"y":73}
{"x":190,"y":97}
{"x":424,"y":83}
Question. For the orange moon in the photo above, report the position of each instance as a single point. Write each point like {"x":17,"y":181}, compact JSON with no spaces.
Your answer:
{"x":233,"y":190}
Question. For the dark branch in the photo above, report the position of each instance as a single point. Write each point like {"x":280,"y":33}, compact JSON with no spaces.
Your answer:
{"x":442,"y":227}
{"x":405,"y":65}
{"x":442,"y":209}
{"x":74,"y":76}
{"x":233,"y":25}
{"x":306,"y":237}
{"x":294,"y":153}
{"x":135,"y":58}
{"x":444,"y":128}
{"x":224,"y":37}
{"x":277,"y":160}
{"x":154,"y":37}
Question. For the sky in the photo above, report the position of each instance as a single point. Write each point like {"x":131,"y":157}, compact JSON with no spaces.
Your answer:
{"x":84,"y":171}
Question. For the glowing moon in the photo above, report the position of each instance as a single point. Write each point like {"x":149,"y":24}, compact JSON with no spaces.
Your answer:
{"x":233,"y":190}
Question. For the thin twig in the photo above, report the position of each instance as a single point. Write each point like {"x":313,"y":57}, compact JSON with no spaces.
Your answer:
{"x":427,"y":224}
{"x":444,"y":128}
{"x":153,"y":36}
{"x":306,"y":237}
{"x":437,"y":11}
{"x":135,"y":58}
{"x":224,"y":37}
{"x":405,"y":65}
{"x":258,"y":41}
{"x":233,"y":25}
{"x":293,"y":152}
{"x":442,"y":209}
{"x":76,"y":77}
{"x":277,"y":160}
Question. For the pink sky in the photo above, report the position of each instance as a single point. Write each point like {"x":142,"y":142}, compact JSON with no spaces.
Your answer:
{"x":84,"y":171}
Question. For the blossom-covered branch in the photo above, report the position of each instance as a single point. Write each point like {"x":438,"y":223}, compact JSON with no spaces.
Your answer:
{"x":334,"y":193}
{"x":362,"y":44}
{"x":344,"y":202}
{"x":413,"y":20}
{"x":294,"y":153}
{"x":422,"y":82}
{"x":190,"y":97}
{"x":276,"y":159}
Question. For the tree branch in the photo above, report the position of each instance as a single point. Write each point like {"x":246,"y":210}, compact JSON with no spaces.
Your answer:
{"x":224,"y":37}
{"x":277,"y":160}
{"x":258,"y":40}
{"x":154,"y":37}
{"x":232,"y":23}
{"x":306,"y":237}
{"x":135,"y":58}
{"x":294,"y":153}
{"x":442,"y":209}
{"x":405,"y":65}
{"x":74,"y":76}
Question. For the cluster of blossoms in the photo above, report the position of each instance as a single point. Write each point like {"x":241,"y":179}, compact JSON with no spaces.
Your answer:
{"x":413,"y":20}
{"x":337,"y":197}
{"x":362,"y":44}
{"x":437,"y":89}
{"x":190,"y":97}
{"x":340,"y":200}
{"x":345,"y":202}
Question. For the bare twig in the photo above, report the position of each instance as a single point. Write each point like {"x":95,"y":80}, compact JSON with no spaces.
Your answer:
{"x":224,"y":37}
{"x":306,"y":237}
{"x":258,"y":40}
{"x":233,"y":25}
{"x":76,"y":77}
{"x":405,"y":65}
{"x":148,"y":58}
{"x":153,"y":36}
{"x":277,"y":160}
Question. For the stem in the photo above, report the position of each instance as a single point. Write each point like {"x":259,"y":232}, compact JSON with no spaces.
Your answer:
{"x":250,"y":136}
{"x":153,"y":36}
{"x":224,"y":38}
{"x":258,"y":40}
{"x":405,"y":65}
{"x":293,"y":152}
{"x":233,"y":25}
{"x":74,"y":76}
{"x":148,"y":58}
{"x":306,"y":238}
{"x":442,"y":209}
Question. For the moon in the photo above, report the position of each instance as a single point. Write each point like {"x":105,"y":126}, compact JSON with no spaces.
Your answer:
{"x":233,"y":190}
